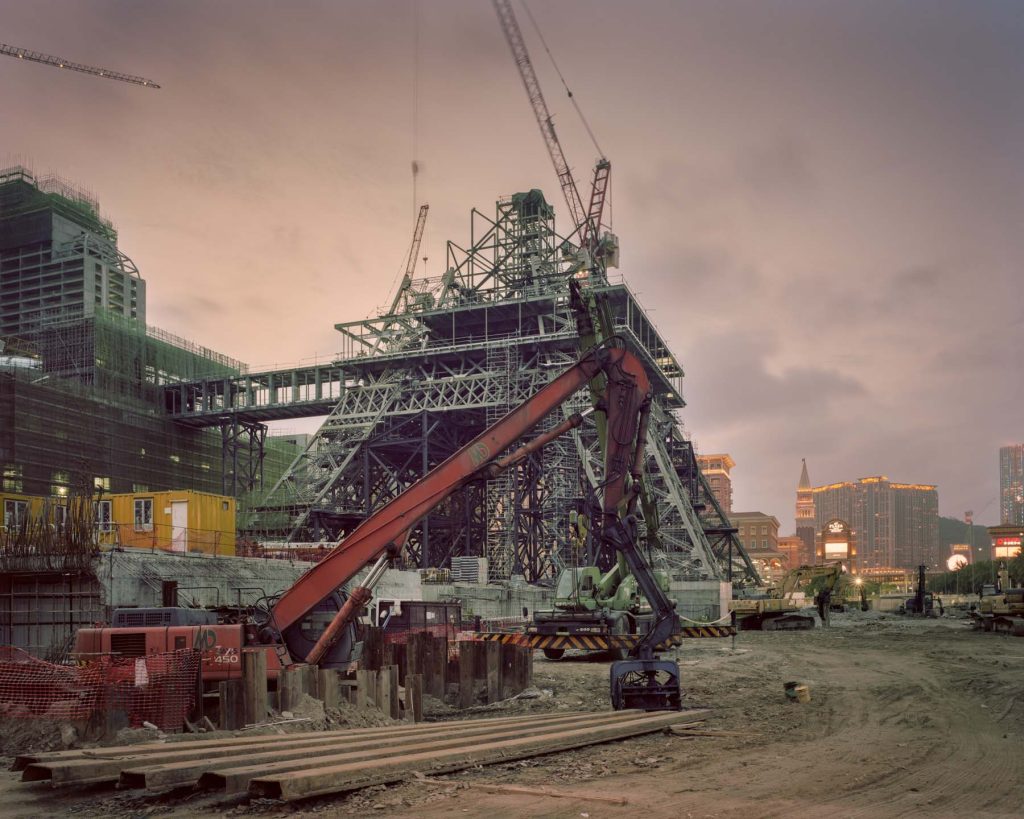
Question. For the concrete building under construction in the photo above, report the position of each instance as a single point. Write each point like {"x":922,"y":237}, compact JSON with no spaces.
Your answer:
{"x":82,"y":381}
{"x":82,"y":376}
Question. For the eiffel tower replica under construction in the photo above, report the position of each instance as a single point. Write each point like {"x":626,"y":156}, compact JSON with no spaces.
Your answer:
{"x":457,"y":352}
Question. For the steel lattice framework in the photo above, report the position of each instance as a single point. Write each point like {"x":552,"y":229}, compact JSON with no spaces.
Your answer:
{"x":452,"y":355}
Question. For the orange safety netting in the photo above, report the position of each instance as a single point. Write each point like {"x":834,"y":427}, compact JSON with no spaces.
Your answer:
{"x":159,"y":688}
{"x":399,"y":635}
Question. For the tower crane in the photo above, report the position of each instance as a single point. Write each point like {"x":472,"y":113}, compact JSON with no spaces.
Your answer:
{"x":60,"y":62}
{"x":586,"y":220}
{"x":410,"y":262}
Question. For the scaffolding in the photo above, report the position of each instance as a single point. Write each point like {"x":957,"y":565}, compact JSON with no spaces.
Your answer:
{"x":91,"y":407}
{"x":22,"y":191}
{"x":59,"y":256}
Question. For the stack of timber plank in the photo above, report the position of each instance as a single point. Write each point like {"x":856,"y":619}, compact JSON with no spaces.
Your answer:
{"x":296,"y":766}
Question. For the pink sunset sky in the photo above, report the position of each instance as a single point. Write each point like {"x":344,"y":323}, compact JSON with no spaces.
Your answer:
{"x":819,"y":203}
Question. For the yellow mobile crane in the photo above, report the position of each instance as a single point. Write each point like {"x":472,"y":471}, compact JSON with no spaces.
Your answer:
{"x":779,"y":607}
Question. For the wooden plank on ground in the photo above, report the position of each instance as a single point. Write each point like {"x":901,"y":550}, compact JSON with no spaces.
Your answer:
{"x":233,"y":776}
{"x":104,"y":764}
{"x":321,"y":778}
{"x":708,"y":732}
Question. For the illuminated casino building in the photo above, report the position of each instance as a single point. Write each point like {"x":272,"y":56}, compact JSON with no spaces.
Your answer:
{"x":897,"y":524}
{"x":837,"y":541}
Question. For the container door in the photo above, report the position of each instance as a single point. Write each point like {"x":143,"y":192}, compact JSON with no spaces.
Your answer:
{"x":179,"y":526}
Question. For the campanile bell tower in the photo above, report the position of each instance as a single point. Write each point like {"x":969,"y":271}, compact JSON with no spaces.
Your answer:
{"x":805,"y":515}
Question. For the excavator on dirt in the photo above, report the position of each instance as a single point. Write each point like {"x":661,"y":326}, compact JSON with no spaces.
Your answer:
{"x":922,"y":604}
{"x":781,"y":607}
{"x":1003,"y":610}
{"x":315,"y":620}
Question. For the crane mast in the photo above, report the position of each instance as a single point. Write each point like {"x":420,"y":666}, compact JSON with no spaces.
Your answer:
{"x":60,"y":62}
{"x":410,"y":262}
{"x":514,"y":37}
{"x":598,"y":193}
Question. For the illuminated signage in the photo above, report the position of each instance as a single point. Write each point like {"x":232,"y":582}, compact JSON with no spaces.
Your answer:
{"x":837,"y":550}
{"x":1006,"y":547}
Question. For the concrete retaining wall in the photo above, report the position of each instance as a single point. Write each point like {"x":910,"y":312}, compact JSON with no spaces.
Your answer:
{"x":134,"y":578}
{"x":702,"y":601}
{"x":496,"y":600}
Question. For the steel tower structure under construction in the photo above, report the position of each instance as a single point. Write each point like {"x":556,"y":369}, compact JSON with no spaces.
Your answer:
{"x":451,"y":355}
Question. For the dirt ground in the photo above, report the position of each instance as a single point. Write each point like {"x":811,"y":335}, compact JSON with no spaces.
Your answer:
{"x":907,"y":718}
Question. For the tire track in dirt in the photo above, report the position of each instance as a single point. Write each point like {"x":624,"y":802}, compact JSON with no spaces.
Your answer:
{"x":951,"y":754}
{"x":899,"y":736}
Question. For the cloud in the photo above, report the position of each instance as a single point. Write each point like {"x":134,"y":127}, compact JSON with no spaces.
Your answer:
{"x":779,"y":172}
{"x":819,"y":204}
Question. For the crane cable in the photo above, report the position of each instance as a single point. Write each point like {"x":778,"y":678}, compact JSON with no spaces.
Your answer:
{"x":397,"y":282}
{"x":565,"y":85}
{"x":415,"y":101}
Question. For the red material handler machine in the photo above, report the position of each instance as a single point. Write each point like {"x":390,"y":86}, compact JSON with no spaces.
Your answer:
{"x":313,"y":621}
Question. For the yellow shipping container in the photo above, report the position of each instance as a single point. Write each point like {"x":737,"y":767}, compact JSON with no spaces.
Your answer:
{"x":175,"y":521}
{"x":18,"y":508}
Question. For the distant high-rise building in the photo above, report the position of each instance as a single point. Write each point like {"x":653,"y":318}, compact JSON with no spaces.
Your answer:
{"x":896,"y":524}
{"x":83,"y":378}
{"x":717,"y":469}
{"x":59,"y":257}
{"x":1011,"y":485}
{"x":806,"y":524}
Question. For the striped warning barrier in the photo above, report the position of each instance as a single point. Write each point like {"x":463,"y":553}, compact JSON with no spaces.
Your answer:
{"x":709,"y":631}
{"x":596,"y":642}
